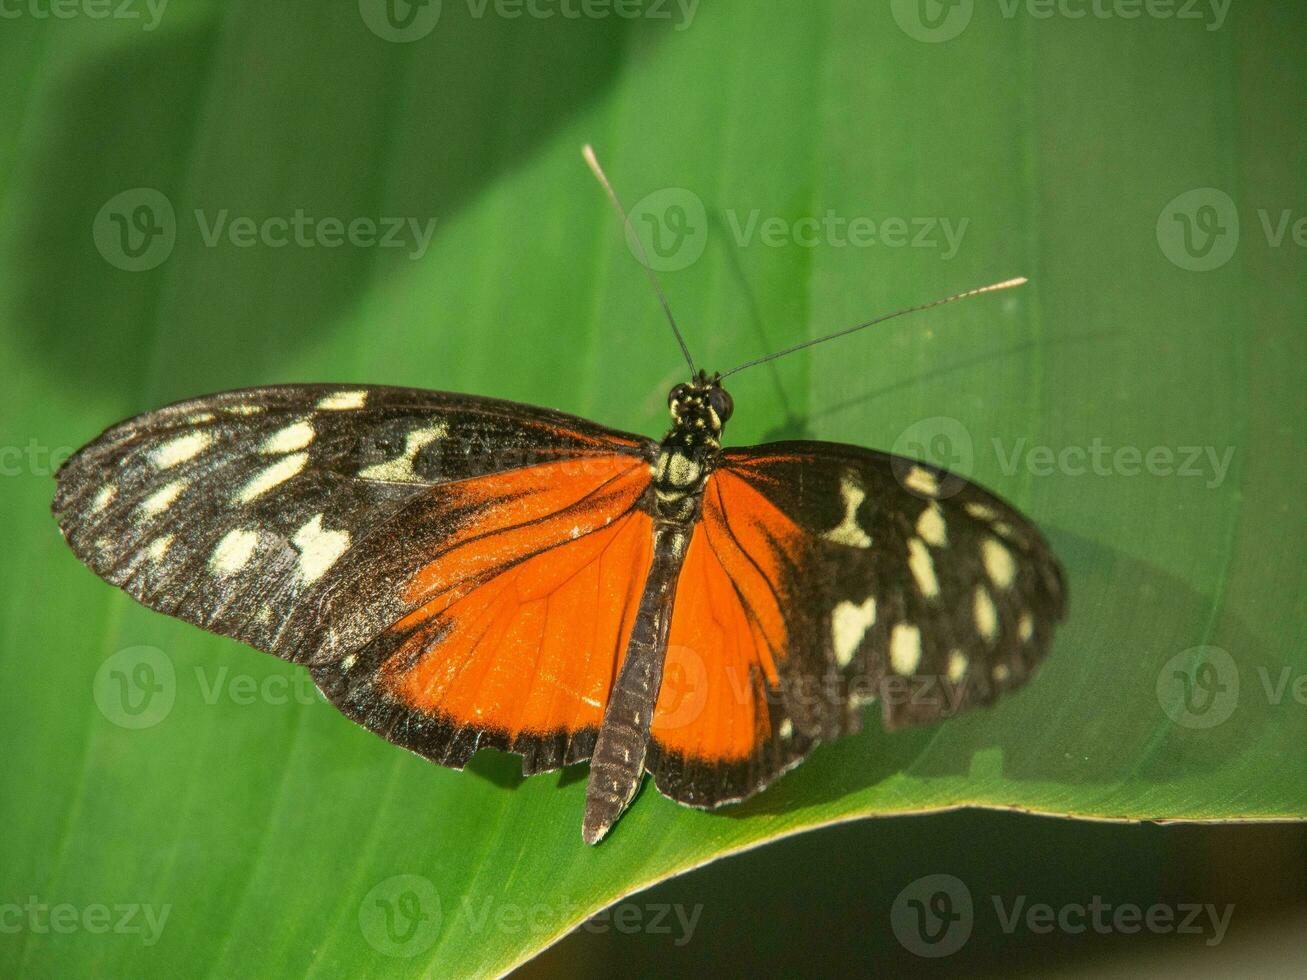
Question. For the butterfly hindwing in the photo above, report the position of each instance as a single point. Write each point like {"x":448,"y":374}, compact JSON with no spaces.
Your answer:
{"x":847,"y":576}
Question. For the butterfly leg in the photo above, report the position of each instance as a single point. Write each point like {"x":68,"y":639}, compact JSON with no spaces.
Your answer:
{"x":617,"y":764}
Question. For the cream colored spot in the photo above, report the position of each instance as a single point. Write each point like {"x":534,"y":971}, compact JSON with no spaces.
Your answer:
{"x":922,"y":481}
{"x":1001,"y":673}
{"x":179,"y":450}
{"x":923,"y":568}
{"x":295,"y":436}
{"x":957,"y":665}
{"x":576,"y":531}
{"x":1025,"y":627}
{"x":200,"y":418}
{"x":985,"y":615}
{"x":1004,"y":529}
{"x":400,"y":470}
{"x":849,"y":624}
{"x":787,"y":729}
{"x":999,"y":565}
{"x":905,"y":648}
{"x":162,"y":499}
{"x":243,"y":409}
{"x":347,"y":661}
{"x":981,"y":512}
{"x":104,"y":498}
{"x":342,"y":400}
{"x":274,"y":475}
{"x":159,"y":547}
{"x":848,"y":532}
{"x":319,"y":549}
{"x":931,"y":528}
{"x":233,"y":552}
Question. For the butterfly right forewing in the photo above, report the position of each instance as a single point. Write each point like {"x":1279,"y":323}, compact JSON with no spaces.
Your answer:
{"x":915,"y":586}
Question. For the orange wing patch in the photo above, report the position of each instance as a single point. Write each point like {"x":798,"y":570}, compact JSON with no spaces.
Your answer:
{"x":728,"y":638}
{"x":522,"y":620}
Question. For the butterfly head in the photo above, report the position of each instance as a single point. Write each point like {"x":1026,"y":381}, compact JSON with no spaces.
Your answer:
{"x":700,"y":406}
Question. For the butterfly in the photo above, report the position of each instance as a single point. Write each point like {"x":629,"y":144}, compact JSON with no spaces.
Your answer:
{"x":459,"y":572}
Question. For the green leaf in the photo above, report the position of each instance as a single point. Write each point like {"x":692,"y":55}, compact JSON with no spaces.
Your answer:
{"x":277,"y":836}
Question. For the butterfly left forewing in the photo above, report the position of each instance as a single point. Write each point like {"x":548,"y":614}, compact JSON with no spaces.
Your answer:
{"x":245,"y":512}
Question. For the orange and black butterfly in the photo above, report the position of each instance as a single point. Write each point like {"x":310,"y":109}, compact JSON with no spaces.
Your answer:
{"x":459,"y":572}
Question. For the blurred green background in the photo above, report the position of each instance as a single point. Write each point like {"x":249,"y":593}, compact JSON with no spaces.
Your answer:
{"x":186,"y":197}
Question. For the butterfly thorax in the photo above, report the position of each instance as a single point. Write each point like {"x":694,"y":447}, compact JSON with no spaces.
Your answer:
{"x":688,"y":453}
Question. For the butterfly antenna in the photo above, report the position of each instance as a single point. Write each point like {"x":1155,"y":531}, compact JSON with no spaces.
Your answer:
{"x":1008,"y":284}
{"x":593,"y":162}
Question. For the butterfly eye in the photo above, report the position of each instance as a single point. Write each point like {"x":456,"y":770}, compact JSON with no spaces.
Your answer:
{"x":721,"y":403}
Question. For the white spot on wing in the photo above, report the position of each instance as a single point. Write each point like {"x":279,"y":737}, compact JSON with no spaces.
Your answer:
{"x":1025,"y":627}
{"x":179,"y":450}
{"x":999,"y":564}
{"x":233,"y":551}
{"x":241,"y":408}
{"x":905,"y":648}
{"x":319,"y":548}
{"x":159,"y":547}
{"x":787,"y":728}
{"x":295,"y":436}
{"x":1001,"y":673}
{"x":342,"y":400}
{"x":922,"y":481}
{"x":162,"y":499}
{"x":849,"y":624}
{"x":104,"y":498}
{"x":931,"y":527}
{"x":348,"y":661}
{"x":278,"y":473}
{"x":981,"y":512}
{"x":923,"y":569}
{"x":957,"y":665}
{"x":985,"y":615}
{"x":848,"y":532}
{"x":400,"y":470}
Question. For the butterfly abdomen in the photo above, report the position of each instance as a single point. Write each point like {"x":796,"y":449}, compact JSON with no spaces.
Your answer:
{"x":617,"y":766}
